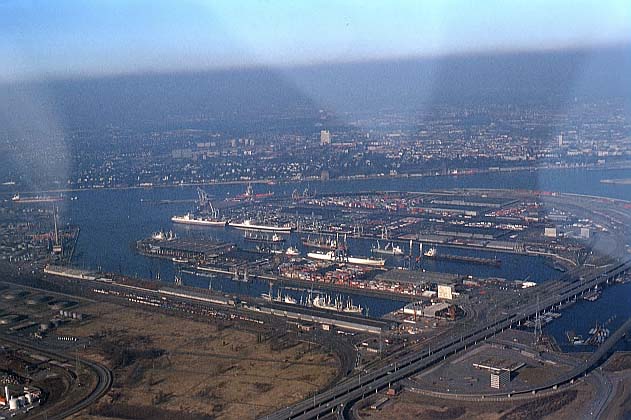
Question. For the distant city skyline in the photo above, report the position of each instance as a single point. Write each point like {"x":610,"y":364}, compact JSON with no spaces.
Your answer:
{"x":69,"y":38}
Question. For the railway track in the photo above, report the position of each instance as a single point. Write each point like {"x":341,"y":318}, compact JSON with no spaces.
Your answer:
{"x":104,"y":379}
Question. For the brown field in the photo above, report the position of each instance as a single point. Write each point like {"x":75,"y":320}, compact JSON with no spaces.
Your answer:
{"x":618,"y":368}
{"x":192,"y":369}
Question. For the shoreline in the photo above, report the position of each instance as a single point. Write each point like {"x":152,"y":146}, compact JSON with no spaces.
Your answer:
{"x":461,"y":173}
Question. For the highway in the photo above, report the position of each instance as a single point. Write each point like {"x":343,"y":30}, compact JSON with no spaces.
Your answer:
{"x":104,"y":379}
{"x":358,"y":386}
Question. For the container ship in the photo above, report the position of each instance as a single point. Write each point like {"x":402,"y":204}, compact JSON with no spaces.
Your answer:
{"x":334,"y":257}
{"x":250,"y":225}
{"x":190,"y":219}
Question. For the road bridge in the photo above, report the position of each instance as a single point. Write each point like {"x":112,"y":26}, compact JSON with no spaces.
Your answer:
{"x":358,"y":386}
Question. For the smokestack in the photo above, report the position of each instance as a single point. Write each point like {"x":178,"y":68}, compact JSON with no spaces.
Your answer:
{"x":6,"y":393}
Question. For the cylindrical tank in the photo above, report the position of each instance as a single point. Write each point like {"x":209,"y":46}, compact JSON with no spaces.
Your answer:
{"x":13,"y":404}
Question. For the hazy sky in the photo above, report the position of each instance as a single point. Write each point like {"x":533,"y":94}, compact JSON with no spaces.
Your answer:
{"x":44,"y":38}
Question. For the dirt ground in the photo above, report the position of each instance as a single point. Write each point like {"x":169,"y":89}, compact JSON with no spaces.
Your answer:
{"x":618,"y":369}
{"x":170,"y":367}
{"x":561,"y":406}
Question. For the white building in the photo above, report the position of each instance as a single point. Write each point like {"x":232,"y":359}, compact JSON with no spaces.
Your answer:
{"x":325,"y":137}
{"x":445,"y":291}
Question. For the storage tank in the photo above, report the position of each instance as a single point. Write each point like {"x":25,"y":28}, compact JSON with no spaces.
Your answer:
{"x":13,"y":404}
{"x":29,"y":397}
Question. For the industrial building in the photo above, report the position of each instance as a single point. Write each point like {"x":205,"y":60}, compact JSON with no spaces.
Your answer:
{"x":500,"y":371}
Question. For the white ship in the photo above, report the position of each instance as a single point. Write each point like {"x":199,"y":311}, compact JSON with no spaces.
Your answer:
{"x":190,"y":219}
{"x":263,"y":237}
{"x":389,"y":249}
{"x":337,"y":305}
{"x":331,"y":256}
{"x":279,"y":298}
{"x":161,"y":236}
{"x":292,"y":252}
{"x":250,"y":225}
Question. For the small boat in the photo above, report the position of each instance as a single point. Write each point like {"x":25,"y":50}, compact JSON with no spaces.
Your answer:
{"x":292,"y":252}
{"x":430,"y":253}
{"x":162,"y":236}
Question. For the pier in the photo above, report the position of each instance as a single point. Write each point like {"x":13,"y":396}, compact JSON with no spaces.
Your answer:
{"x":468,"y":259}
{"x":187,"y":249}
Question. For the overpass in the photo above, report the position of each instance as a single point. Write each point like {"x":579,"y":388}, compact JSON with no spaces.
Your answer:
{"x":358,"y":386}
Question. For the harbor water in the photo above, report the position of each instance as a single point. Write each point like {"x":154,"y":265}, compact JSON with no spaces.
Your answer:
{"x":112,"y":221}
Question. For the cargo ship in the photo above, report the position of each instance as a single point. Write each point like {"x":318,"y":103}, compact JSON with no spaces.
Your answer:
{"x":190,"y":219}
{"x":250,"y":195}
{"x":280,"y":298}
{"x":433,"y":253}
{"x":337,"y":304}
{"x":37,"y":199}
{"x":342,"y":258}
{"x":255,"y":237}
{"x":250,"y":225}
{"x":389,"y":249}
{"x":320,"y":243}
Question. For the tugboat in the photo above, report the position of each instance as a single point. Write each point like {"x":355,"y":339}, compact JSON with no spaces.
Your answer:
{"x":574,"y":338}
{"x":292,"y":252}
{"x":161,"y":236}
{"x":431,"y":253}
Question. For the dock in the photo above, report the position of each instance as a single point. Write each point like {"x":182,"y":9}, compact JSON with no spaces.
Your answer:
{"x":186,"y":249}
{"x":468,"y":259}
